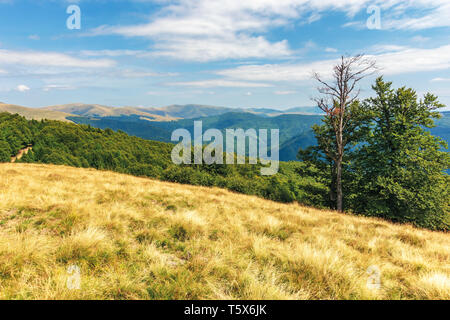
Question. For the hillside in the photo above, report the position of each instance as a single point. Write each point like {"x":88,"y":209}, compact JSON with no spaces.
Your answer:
{"x":99,"y":111}
{"x":159,"y":123}
{"x":136,"y":238}
{"x":34,"y":113}
{"x":295,"y":129}
{"x":173,"y":112}
{"x":55,"y":142}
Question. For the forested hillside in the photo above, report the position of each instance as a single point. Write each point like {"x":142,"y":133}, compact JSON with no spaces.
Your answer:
{"x":295,"y":129}
{"x":56,"y":142}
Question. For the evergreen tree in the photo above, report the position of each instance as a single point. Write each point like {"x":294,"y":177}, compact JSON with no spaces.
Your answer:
{"x":400,"y":167}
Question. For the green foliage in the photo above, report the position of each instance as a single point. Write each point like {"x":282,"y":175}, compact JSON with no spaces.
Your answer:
{"x":399,"y":167}
{"x":323,"y":155}
{"x":5,"y":151}
{"x":393,"y":166}
{"x":295,"y":129}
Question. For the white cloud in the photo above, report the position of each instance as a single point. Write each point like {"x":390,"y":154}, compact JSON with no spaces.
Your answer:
{"x":112,"y":53}
{"x":285,"y":93}
{"x":204,"y":30}
{"x":403,"y":61}
{"x":138,"y":74}
{"x":22,"y":88}
{"x":414,"y":60}
{"x":383,"y":48}
{"x":51,"y":87}
{"x":437,"y":13}
{"x":51,"y":59}
{"x":213,"y":49}
{"x":220,"y":83}
{"x":420,"y":39}
{"x":277,"y":72}
{"x":440,"y":79}
{"x":34,"y":37}
{"x":331,"y":50}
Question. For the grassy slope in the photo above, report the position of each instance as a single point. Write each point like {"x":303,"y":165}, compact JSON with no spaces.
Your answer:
{"x":33,"y":113}
{"x":95,"y":110}
{"x":139,"y":238}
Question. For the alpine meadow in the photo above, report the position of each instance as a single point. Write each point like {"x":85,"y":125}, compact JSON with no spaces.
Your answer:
{"x":253,"y":150}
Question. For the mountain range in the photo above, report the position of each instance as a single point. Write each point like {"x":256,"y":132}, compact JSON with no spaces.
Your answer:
{"x":159,"y":123}
{"x":173,"y":112}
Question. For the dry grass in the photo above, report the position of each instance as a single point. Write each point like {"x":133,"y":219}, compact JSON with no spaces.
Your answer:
{"x":135,"y":238}
{"x":34,"y":113}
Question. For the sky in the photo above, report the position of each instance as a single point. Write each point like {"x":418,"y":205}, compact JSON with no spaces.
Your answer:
{"x":234,"y":53}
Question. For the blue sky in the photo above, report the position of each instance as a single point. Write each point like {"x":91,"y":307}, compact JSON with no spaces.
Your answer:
{"x":253,"y":53}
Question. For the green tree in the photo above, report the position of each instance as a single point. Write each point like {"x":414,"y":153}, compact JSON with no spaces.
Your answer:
{"x":5,"y":151}
{"x":324,"y":154}
{"x":337,"y":100}
{"x":400,"y":167}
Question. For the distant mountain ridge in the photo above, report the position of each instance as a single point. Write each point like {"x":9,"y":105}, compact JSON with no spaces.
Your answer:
{"x":158,"y":123}
{"x":100,"y":111}
{"x":172,"y":112}
{"x":35,"y":113}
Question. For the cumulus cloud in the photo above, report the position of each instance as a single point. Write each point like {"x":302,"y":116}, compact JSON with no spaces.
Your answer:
{"x":51,"y":59}
{"x":22,"y":88}
{"x":406,"y":60}
{"x":204,"y":30}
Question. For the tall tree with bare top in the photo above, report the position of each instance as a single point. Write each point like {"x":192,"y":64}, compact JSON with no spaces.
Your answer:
{"x":339,"y":102}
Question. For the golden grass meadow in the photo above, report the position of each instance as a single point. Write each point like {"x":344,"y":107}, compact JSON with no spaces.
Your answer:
{"x":136,"y":238}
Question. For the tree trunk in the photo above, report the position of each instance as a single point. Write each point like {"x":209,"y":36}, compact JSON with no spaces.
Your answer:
{"x":339,"y":185}
{"x":340,"y":157}
{"x":339,"y":96}
{"x":333,"y":187}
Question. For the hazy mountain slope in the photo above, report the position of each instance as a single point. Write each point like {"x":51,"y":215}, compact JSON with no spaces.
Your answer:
{"x":99,"y":111}
{"x":442,"y":128}
{"x":190,"y":111}
{"x":158,"y":123}
{"x":295,"y":129}
{"x":168,"y":113}
{"x":289,"y":149}
{"x":34,"y":113}
{"x":291,"y":127}
{"x":135,"y":238}
{"x":133,"y":125}
{"x":305,"y":110}
{"x":173,"y":112}
{"x":55,"y":142}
